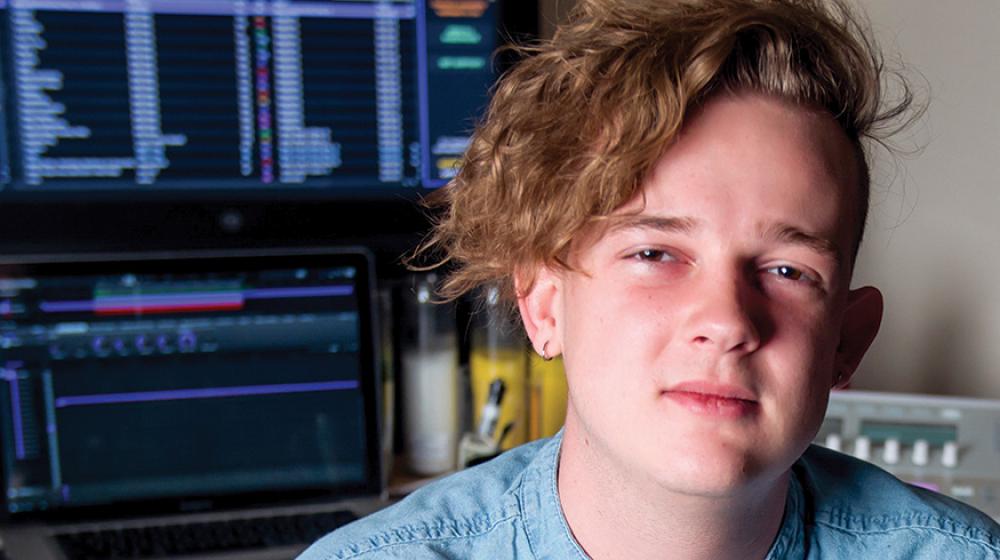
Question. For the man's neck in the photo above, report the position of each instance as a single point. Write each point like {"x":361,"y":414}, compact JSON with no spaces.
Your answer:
{"x":615,"y":514}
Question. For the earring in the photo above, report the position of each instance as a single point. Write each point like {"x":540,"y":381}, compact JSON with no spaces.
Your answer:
{"x":545,"y":353}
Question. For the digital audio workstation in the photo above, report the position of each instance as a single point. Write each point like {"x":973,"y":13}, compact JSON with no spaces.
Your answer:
{"x":161,"y":95}
{"x":139,"y":380}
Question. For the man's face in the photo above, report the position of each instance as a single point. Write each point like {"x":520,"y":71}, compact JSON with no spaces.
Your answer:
{"x":701,"y":335}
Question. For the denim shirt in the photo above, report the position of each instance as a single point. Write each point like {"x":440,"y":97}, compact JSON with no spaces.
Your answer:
{"x":837,"y":508}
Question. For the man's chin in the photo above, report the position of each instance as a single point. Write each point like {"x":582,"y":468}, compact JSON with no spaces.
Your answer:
{"x":711,"y":474}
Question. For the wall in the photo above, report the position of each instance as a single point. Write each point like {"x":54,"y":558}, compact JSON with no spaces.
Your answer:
{"x":933,"y":244}
{"x":934,"y":238}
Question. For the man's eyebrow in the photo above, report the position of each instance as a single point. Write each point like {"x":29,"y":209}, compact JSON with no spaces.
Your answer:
{"x":816,"y":242}
{"x":662,"y":223}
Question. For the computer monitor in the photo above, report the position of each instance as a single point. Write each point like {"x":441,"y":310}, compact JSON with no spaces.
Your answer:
{"x":160,"y":380}
{"x":207,"y":122}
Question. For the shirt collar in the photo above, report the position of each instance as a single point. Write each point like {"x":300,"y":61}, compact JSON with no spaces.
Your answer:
{"x":791,"y":539}
{"x":549,"y":535}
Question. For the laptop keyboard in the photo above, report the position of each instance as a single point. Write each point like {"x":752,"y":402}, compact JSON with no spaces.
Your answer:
{"x":200,"y":538}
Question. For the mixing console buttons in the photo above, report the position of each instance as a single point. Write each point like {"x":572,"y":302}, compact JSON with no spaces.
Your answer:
{"x":946,"y":444}
{"x":890,"y":452}
{"x":921,"y":452}
{"x":949,"y":454}
{"x":862,"y":448}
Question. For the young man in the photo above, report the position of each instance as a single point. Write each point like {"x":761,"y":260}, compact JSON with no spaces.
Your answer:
{"x":673,"y":194}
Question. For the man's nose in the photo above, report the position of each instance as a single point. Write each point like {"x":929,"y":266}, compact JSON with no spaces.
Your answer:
{"x":722,"y":317}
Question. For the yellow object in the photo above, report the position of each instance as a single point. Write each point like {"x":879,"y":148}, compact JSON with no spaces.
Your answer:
{"x":448,"y":162}
{"x":547,"y":396}
{"x":509,"y":365}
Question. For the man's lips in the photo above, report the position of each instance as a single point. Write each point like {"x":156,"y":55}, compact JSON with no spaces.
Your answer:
{"x":713,"y":399}
{"x":719,"y":390}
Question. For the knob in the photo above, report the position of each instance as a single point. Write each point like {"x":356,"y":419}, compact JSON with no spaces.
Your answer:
{"x":949,"y":454}
{"x":890,"y":453}
{"x":164,"y":344}
{"x":833,"y":442}
{"x":921,"y":452}
{"x":101,"y":346}
{"x":187,"y":342}
{"x":862,"y":448}
{"x":143,"y":344}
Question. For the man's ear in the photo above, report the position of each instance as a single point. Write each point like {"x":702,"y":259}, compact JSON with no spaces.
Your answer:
{"x":862,"y":319}
{"x":540,"y":305}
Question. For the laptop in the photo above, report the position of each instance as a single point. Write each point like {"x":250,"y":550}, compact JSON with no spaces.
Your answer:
{"x":198,"y":405}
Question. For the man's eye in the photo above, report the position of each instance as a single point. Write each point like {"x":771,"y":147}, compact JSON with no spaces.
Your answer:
{"x":789,"y":273}
{"x":653,"y":255}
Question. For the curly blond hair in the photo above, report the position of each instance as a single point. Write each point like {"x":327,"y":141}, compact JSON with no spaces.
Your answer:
{"x":574,"y":128}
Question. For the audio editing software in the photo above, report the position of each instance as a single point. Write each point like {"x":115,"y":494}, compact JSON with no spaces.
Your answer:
{"x":116,"y":387}
{"x":193,"y":94}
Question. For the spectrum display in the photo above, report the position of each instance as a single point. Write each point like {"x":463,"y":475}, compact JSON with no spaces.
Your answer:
{"x":105,"y":95}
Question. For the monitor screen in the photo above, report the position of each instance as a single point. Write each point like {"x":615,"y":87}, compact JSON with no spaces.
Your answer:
{"x":167,"y":99}
{"x":154,"y":379}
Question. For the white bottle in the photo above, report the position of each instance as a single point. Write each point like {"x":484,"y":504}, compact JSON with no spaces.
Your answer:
{"x":430,"y":381}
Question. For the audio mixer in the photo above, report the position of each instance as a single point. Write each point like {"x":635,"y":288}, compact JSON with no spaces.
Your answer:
{"x":948,"y":444}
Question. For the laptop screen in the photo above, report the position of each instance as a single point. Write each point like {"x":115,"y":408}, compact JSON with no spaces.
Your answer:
{"x":184,"y":377}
